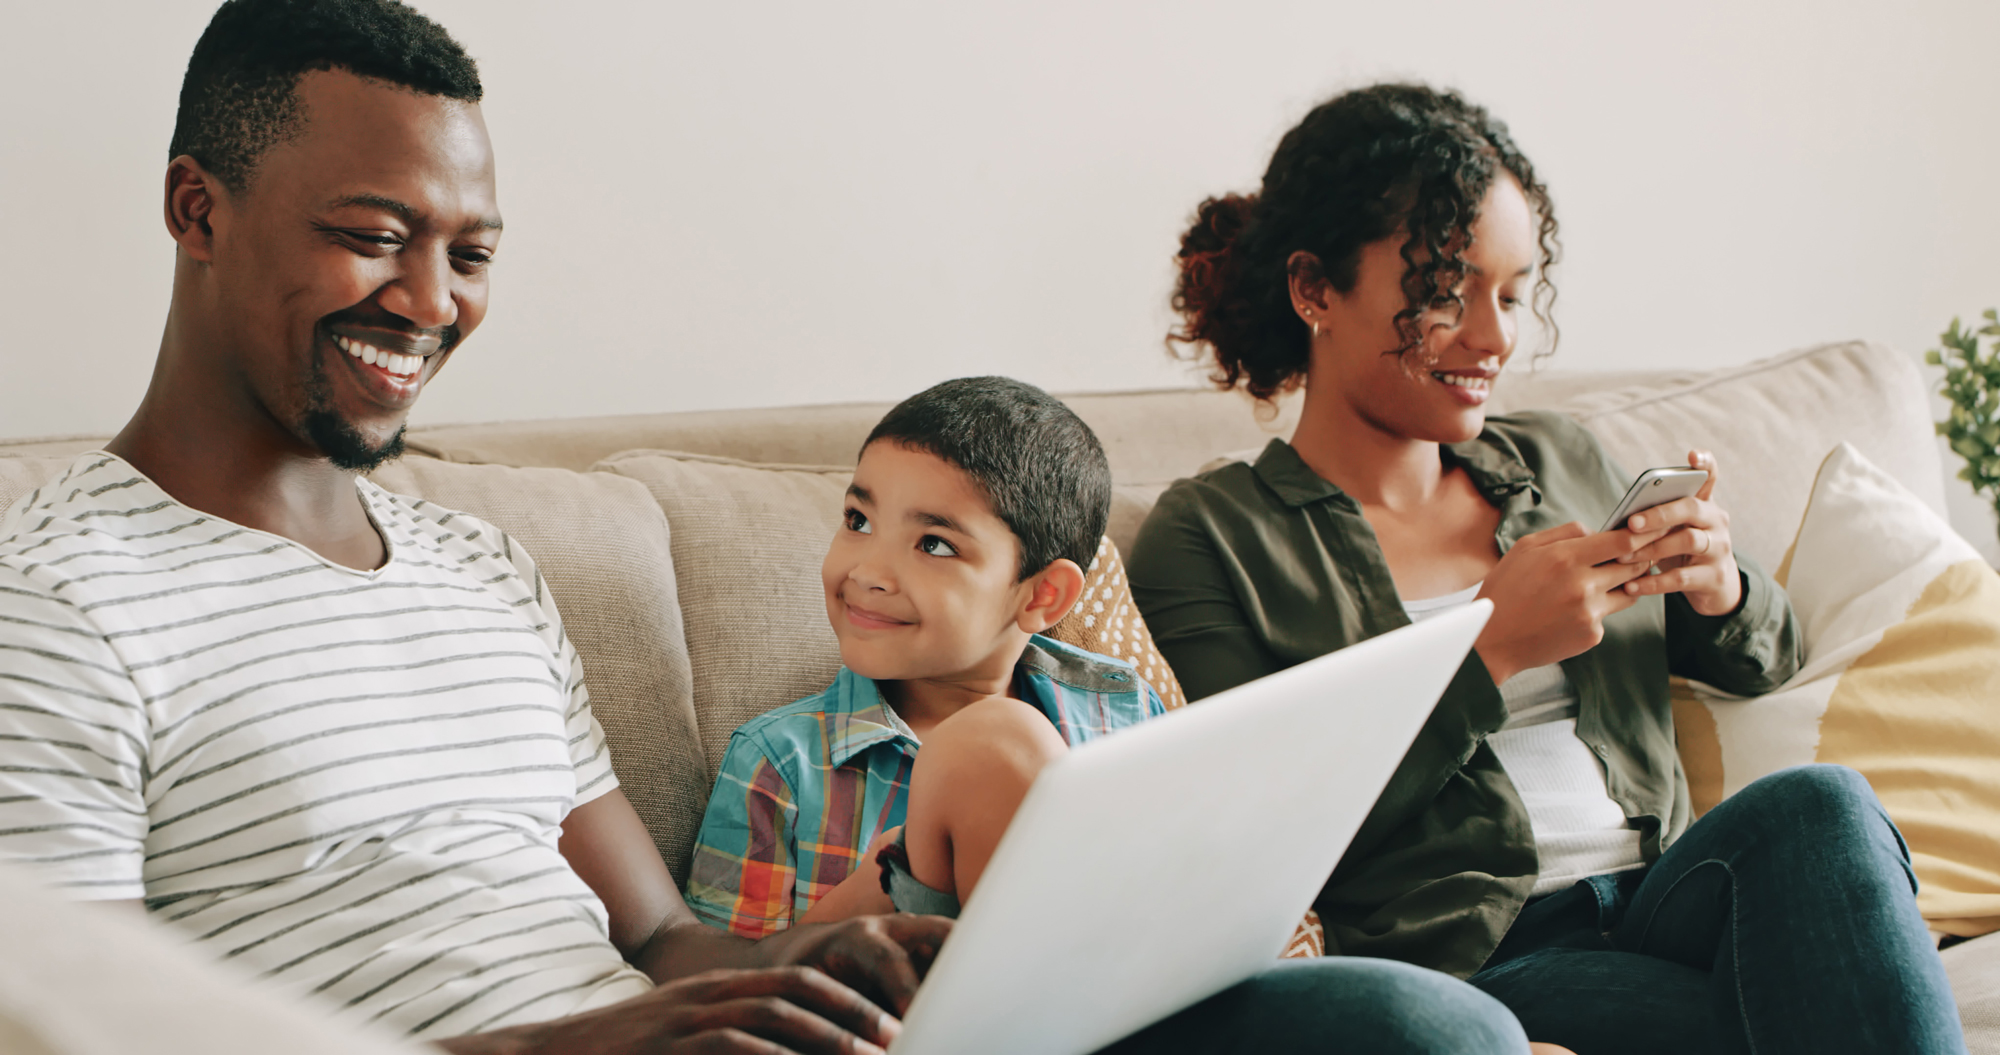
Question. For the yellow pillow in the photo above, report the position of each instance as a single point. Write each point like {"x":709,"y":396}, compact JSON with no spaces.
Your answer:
{"x":1901,"y":682}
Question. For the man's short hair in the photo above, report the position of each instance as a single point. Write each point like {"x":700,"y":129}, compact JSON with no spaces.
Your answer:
{"x":240,"y":95}
{"x":1042,"y":469}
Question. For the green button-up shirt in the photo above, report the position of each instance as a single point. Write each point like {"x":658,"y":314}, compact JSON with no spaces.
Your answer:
{"x":1248,"y":569}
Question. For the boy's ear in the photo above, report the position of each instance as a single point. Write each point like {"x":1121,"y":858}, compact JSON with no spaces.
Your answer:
{"x":1052,"y":593}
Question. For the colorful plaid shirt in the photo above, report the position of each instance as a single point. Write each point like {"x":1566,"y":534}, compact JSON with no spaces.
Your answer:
{"x":806,"y":788}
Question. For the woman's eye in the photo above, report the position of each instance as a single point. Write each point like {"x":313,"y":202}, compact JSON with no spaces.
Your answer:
{"x":858,"y":523}
{"x":936,"y":546}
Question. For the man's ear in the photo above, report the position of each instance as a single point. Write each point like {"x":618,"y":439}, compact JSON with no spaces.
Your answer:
{"x":192,"y":196}
{"x":1051,"y":594}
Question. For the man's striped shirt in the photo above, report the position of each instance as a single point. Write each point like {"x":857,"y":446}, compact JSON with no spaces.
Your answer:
{"x":351,"y":782}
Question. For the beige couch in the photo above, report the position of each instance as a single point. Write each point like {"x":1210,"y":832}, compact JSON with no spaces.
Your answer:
{"x":683,"y":548}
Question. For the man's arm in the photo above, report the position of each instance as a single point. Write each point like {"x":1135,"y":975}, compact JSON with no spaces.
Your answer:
{"x":607,"y":844}
{"x":73,"y":744}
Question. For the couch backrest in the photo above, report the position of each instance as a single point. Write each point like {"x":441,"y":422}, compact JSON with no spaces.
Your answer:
{"x":602,"y":537}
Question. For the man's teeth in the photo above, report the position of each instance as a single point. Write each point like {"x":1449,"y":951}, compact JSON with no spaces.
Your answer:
{"x":1464,"y":381}
{"x":373,"y":356}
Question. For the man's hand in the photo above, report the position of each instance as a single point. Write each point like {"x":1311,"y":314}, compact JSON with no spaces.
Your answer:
{"x":770,"y":1011}
{"x":883,"y":956}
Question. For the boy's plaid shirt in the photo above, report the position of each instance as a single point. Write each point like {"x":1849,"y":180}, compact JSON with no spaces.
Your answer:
{"x":806,"y":788}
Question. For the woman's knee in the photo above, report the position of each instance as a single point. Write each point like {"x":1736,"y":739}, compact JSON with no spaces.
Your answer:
{"x":1813,"y":798}
{"x":1375,"y":1005}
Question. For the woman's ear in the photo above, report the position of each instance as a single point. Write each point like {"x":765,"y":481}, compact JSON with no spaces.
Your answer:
{"x":1051,"y":594}
{"x":192,"y":195}
{"x":1307,"y":280}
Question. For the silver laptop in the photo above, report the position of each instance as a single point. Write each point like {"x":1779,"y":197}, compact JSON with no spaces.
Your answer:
{"x":1151,"y":869}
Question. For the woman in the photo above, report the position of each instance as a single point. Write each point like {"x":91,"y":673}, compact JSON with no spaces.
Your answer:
{"x":1537,"y":838}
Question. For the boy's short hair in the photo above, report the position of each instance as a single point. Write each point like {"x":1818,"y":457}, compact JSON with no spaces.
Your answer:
{"x":1042,"y":469}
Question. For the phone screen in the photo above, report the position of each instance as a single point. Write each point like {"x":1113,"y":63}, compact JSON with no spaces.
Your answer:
{"x":1656,"y":487}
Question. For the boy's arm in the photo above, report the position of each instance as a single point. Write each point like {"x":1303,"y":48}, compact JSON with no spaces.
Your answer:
{"x":861,"y":893}
{"x":744,"y":873}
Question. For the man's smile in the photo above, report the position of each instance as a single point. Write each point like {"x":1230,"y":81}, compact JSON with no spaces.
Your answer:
{"x":391,"y":362}
{"x":387,"y":376}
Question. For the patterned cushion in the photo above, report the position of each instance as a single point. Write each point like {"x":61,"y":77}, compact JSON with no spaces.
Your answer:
{"x":1902,"y":627}
{"x":1105,"y":621}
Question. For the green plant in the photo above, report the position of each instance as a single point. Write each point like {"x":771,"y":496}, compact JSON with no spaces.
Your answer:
{"x":1972,"y":384}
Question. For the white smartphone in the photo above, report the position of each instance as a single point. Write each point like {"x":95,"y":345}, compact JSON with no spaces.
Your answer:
{"x":1656,"y":487}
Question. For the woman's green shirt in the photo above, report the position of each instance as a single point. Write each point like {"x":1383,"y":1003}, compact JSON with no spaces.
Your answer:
{"x":1250,"y":568}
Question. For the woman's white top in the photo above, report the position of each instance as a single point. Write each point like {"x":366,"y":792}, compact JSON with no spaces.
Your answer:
{"x":1579,"y":830}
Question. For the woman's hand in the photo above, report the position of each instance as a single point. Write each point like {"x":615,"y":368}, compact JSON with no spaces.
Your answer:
{"x":1550,"y":595}
{"x":1695,"y":556}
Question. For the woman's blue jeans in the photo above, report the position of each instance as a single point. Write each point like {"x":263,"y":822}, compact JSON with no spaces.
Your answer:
{"x":1785,"y":920}
{"x":1345,"y":1005}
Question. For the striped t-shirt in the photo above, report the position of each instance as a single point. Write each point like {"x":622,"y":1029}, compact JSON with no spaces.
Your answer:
{"x":350,"y":782}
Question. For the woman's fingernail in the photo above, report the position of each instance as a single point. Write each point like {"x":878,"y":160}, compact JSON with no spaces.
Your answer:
{"x":1638,"y":523}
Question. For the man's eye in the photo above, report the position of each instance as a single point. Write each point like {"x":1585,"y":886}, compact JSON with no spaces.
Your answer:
{"x":371,"y":242}
{"x":936,"y":546}
{"x":858,"y":523}
{"x":473,"y":261}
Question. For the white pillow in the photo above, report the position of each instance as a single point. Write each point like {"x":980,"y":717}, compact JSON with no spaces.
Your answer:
{"x":1901,"y":619}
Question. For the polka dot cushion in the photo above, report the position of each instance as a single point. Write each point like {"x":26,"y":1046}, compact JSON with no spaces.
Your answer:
{"x":1105,"y":621}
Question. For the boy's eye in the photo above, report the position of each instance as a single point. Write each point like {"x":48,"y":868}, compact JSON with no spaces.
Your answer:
{"x":936,"y":546}
{"x":858,"y":522}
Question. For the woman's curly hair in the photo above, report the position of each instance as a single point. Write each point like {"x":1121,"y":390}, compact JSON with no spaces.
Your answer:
{"x":1363,"y":166}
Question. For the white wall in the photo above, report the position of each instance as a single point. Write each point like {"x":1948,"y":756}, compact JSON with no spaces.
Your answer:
{"x":715,"y":205}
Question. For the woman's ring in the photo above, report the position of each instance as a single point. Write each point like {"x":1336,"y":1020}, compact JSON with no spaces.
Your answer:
{"x":1704,"y":542}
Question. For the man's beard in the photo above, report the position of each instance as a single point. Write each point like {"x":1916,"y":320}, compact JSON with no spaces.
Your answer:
{"x":336,"y":438}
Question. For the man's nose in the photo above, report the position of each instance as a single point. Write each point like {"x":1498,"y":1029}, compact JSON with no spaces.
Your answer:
{"x":423,"y":293}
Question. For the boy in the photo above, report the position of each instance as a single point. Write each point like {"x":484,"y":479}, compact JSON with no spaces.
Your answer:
{"x":974,"y":508}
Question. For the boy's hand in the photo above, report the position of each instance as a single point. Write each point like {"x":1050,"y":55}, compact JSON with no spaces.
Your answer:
{"x":860,"y":894}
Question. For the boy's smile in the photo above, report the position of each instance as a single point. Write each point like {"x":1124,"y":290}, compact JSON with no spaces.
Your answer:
{"x":922,"y":578}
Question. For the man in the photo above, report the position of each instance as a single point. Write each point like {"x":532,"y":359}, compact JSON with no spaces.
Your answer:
{"x":338,"y":736}
{"x":240,"y":689}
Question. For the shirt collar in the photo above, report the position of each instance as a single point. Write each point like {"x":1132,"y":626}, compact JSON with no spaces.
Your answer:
{"x":1493,"y":464}
{"x":858,"y":717}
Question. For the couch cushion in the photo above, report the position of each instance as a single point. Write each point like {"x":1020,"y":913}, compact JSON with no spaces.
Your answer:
{"x":1769,"y":424}
{"x":604,"y":548}
{"x":748,"y":540}
{"x":1149,"y":437}
{"x":1974,"y":970}
{"x":1901,"y":620}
